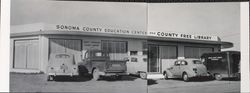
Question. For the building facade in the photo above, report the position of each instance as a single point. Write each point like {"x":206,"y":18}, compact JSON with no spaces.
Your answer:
{"x":147,"y":51}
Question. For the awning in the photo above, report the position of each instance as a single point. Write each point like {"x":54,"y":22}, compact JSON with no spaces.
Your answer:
{"x":77,"y":33}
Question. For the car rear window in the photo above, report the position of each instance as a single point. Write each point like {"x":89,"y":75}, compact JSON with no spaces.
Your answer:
{"x":62,"y":56}
{"x":197,"y":62}
{"x":98,"y":54}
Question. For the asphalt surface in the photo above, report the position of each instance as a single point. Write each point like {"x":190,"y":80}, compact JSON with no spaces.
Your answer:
{"x":127,"y":84}
{"x":195,"y":86}
{"x":38,"y":83}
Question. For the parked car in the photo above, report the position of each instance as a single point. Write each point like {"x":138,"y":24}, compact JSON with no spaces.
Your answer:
{"x":224,"y":64}
{"x":61,"y":64}
{"x":186,"y":69}
{"x":98,"y":63}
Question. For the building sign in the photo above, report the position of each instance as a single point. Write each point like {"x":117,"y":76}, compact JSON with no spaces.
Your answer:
{"x":99,"y":30}
{"x":215,"y":58}
{"x":183,"y":36}
{"x":133,"y":32}
{"x":91,"y":44}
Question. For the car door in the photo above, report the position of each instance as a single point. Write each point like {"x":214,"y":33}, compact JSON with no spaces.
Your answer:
{"x":175,"y":69}
{"x":183,"y":67}
{"x":87,"y":60}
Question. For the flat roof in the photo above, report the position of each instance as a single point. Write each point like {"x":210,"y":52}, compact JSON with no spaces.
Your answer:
{"x":77,"y":33}
{"x":158,"y":1}
{"x":95,"y":31}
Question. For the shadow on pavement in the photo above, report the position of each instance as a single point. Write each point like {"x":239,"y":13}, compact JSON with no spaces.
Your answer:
{"x":89,"y":78}
{"x":194,"y":79}
{"x":151,"y":82}
{"x":230,"y":79}
{"x":72,"y":79}
{"x":203,"y":79}
{"x":123,"y":78}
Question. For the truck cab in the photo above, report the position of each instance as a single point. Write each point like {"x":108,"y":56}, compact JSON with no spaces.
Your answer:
{"x":98,"y":63}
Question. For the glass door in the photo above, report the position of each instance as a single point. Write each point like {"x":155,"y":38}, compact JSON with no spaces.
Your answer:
{"x":153,"y":56}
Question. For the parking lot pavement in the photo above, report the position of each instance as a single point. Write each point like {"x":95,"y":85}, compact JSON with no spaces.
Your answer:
{"x":128,"y":84}
{"x":38,"y":83}
{"x":205,"y":86}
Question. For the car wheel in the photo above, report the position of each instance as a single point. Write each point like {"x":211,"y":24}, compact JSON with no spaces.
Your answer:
{"x":143,"y":75}
{"x":218,"y":76}
{"x":166,"y":76}
{"x":50,"y":78}
{"x":96,"y":75}
{"x":118,"y":77}
{"x":238,"y":76}
{"x":185,"y":77}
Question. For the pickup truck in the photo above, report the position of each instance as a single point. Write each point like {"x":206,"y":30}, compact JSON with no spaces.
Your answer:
{"x":97,"y":63}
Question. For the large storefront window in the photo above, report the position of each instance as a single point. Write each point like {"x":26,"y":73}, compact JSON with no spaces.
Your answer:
{"x":71,"y":46}
{"x":196,"y":52}
{"x":117,"y":49}
{"x":168,"y":52}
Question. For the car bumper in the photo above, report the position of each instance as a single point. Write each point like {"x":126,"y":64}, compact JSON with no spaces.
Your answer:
{"x":63,"y":74}
{"x":202,"y":75}
{"x":113,"y":74}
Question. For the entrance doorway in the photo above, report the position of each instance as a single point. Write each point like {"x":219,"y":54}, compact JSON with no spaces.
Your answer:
{"x":159,"y":54}
{"x":153,"y":56}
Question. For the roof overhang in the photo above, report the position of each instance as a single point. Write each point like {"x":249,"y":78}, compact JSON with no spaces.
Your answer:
{"x":158,"y":1}
{"x":77,"y":33}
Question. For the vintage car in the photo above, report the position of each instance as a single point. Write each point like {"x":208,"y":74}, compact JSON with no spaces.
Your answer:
{"x":186,"y":69}
{"x":61,"y":64}
{"x":224,"y":64}
{"x":98,"y":63}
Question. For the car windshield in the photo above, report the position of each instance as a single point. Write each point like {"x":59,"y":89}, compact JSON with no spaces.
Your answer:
{"x":100,"y":54}
{"x":183,"y":63}
{"x":197,"y":62}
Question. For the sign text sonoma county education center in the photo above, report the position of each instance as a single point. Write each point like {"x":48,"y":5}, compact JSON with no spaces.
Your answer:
{"x":134,"y":32}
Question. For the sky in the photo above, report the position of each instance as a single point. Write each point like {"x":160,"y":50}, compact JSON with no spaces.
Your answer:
{"x":215,"y":19}
{"x":104,"y":14}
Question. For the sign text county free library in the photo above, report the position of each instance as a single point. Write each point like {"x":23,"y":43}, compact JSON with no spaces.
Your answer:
{"x":133,"y":32}
{"x":31,"y":46}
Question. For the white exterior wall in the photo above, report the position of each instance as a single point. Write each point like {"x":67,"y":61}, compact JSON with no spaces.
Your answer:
{"x":44,"y":51}
{"x":140,"y":65}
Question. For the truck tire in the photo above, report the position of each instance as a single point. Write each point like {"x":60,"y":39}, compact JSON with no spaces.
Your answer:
{"x":165,"y":75}
{"x":118,"y":77}
{"x":238,"y":76}
{"x":143,"y":75}
{"x":218,"y":76}
{"x":96,"y":75}
{"x":185,"y":77}
{"x":50,"y":78}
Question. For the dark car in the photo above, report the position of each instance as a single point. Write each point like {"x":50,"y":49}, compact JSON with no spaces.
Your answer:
{"x":98,"y":63}
{"x":223,"y":64}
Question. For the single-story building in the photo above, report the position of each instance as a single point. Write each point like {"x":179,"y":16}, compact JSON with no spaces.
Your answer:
{"x":148,"y":51}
